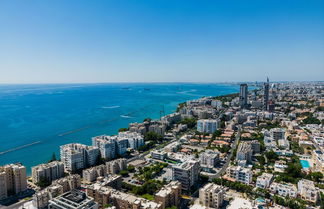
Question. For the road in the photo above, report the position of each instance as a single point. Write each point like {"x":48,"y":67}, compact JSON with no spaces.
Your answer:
{"x":228,"y":160}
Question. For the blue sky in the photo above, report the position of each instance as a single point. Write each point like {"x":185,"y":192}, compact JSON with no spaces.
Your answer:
{"x":59,"y":41}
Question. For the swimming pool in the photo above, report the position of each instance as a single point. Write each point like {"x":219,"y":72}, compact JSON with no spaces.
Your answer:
{"x":304,"y":163}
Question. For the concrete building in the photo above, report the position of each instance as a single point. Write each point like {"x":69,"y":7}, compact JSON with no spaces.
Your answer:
{"x":159,"y":155}
{"x":211,"y":196}
{"x":106,"y":195}
{"x":12,"y":180}
{"x":318,"y":161}
{"x":41,"y":199}
{"x":266,"y":88}
{"x":186,"y":173}
{"x":240,"y":174}
{"x":285,"y":190}
{"x":115,"y":166}
{"x":49,"y":171}
{"x":91,"y":174}
{"x":135,"y":140}
{"x":243,"y":95}
{"x":169,"y":195}
{"x":208,"y":125}
{"x":73,"y":200}
{"x":278,"y":133}
{"x":244,"y":152}
{"x":106,"y":145}
{"x":209,"y":158}
{"x":307,"y":190}
{"x":264,"y":180}
{"x":78,"y":156}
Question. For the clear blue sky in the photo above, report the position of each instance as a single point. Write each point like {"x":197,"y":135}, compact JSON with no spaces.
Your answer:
{"x":160,"y":40}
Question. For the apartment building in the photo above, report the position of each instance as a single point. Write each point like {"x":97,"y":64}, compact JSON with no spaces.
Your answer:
{"x":159,"y":154}
{"x":208,"y":125}
{"x":115,"y":166}
{"x":77,"y":156}
{"x":12,"y":179}
{"x":41,"y":199}
{"x":211,"y":196}
{"x":91,"y":174}
{"x":106,"y":145}
{"x":240,"y":174}
{"x":74,"y":199}
{"x":264,"y":180}
{"x":186,"y":173}
{"x":307,"y":190}
{"x":106,"y":195}
{"x":135,"y":140}
{"x":49,"y":171}
{"x":244,"y":152}
{"x":169,"y":195}
{"x":209,"y":158}
{"x":278,"y":133}
{"x":318,"y":161}
{"x":284,"y":189}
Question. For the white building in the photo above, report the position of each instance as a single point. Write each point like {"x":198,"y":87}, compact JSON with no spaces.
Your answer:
{"x":106,"y":145}
{"x":211,"y":196}
{"x":78,"y":156}
{"x":209,"y":158}
{"x":135,"y":140}
{"x":264,"y":180}
{"x":307,"y":190}
{"x":285,"y":190}
{"x":240,"y":174}
{"x":208,"y":125}
{"x":187,"y":173}
{"x":278,"y":133}
{"x":115,"y":166}
{"x":159,"y":155}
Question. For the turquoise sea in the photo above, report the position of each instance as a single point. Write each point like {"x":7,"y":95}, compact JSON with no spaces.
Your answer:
{"x":37,"y":119}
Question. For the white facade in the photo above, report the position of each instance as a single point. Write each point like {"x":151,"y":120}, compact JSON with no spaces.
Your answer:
{"x":208,"y":125}
{"x":209,"y":158}
{"x":240,"y":174}
{"x":187,"y":173}
{"x":49,"y":171}
{"x":285,"y":190}
{"x":307,"y":190}
{"x":264,"y":180}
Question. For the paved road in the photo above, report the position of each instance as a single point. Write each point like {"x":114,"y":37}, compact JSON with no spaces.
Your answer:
{"x":228,"y":160}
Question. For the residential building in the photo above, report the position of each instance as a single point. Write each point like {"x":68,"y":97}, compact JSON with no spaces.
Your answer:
{"x":169,"y":195}
{"x":91,"y":174}
{"x":318,"y":161}
{"x":240,"y":174}
{"x":209,"y":158}
{"x":106,"y":145}
{"x":78,"y":156}
{"x":74,"y":199}
{"x":106,"y":195}
{"x":49,"y":171}
{"x":244,"y":152}
{"x":308,"y":191}
{"x":243,"y":95}
{"x":284,"y":189}
{"x":208,"y":125}
{"x":135,"y":140}
{"x":264,"y":180}
{"x":159,"y":155}
{"x":278,"y":133}
{"x":12,"y":179}
{"x":186,"y":173}
{"x":115,"y":166}
{"x":211,"y":196}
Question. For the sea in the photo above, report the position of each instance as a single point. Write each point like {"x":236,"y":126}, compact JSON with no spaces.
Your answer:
{"x":36,"y":119}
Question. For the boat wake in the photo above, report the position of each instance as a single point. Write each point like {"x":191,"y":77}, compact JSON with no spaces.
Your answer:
{"x":20,"y":147}
{"x":110,"y":107}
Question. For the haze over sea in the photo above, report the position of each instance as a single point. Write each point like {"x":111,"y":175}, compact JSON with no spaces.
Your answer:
{"x":37,"y":119}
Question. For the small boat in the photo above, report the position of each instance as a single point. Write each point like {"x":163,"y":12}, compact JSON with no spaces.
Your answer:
{"x":147,"y":89}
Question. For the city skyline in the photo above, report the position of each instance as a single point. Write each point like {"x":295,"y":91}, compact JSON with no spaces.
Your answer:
{"x":161,"y":41}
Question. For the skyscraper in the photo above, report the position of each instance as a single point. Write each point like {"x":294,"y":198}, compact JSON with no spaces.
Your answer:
{"x":243,"y":95}
{"x":266,"y":95}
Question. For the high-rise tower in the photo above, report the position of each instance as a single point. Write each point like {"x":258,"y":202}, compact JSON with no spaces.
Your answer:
{"x":266,"y":95}
{"x":243,"y":95}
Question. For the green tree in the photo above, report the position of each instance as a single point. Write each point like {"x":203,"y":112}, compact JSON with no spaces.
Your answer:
{"x":53,"y":158}
{"x":152,"y":136}
{"x":123,"y":129}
